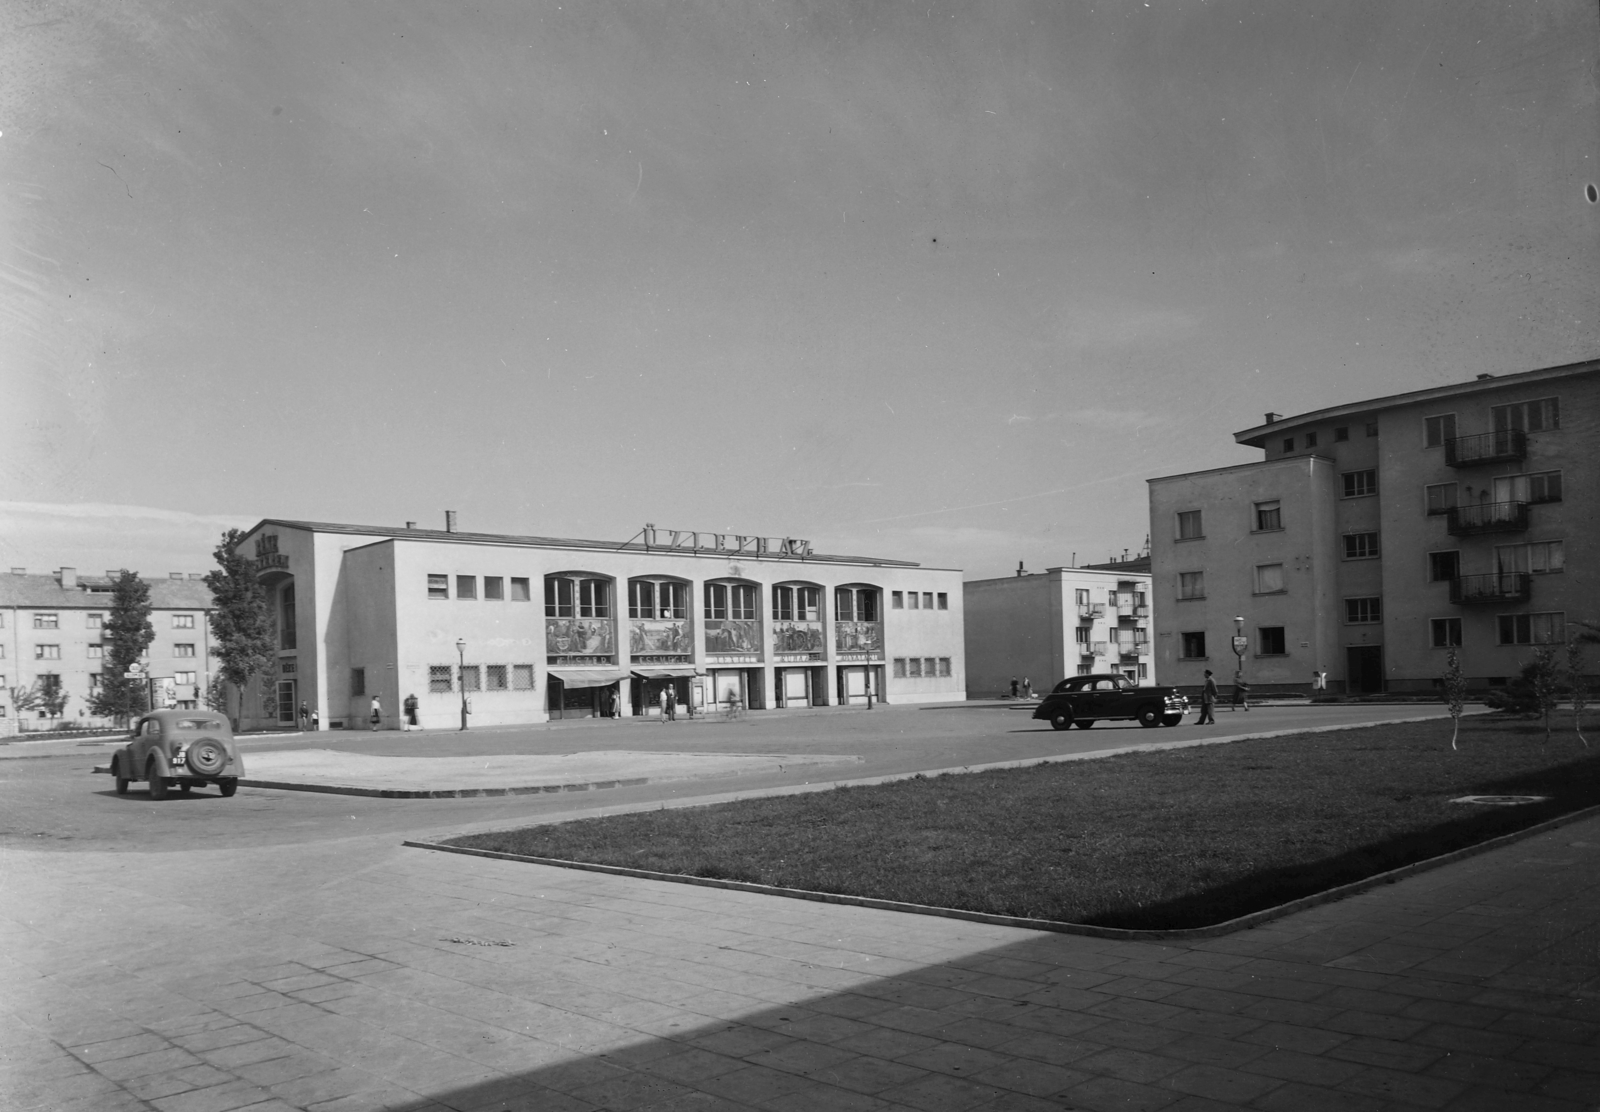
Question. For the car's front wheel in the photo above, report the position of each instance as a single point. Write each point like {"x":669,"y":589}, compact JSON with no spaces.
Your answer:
{"x":1083,"y":723}
{"x":228,"y":787}
{"x":1149,"y":716}
{"x":1059,"y":721}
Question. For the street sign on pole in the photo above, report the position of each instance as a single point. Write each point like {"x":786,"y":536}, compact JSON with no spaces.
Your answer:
{"x":1240,"y":644}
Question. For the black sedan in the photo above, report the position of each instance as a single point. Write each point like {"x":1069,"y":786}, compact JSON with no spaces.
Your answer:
{"x":1084,"y":700}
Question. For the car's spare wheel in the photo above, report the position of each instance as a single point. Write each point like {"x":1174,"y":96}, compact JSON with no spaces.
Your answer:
{"x":207,"y":758}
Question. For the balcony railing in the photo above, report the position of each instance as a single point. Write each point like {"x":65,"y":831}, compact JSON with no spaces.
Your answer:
{"x":1095,"y":648}
{"x":1500,"y":446}
{"x":1505,"y":586}
{"x":1087,"y":611}
{"x":1487,"y":517}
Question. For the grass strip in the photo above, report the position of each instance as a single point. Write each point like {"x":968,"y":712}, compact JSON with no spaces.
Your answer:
{"x":1142,"y":841}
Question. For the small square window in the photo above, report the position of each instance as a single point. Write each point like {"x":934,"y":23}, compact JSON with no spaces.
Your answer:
{"x":471,"y":678}
{"x":440,"y":679}
{"x":944,"y":665}
{"x":1363,"y":611}
{"x":1269,"y":516}
{"x":1288,"y":444}
{"x":522,"y":677}
{"x":914,"y":667}
{"x":1269,"y":579}
{"x":1342,"y":432}
{"x":1360,"y":483}
{"x":183,"y":649}
{"x":944,"y":601}
{"x":1360,"y":546}
{"x":520,"y":590}
{"x":1436,"y":430}
{"x":1372,"y":428}
{"x":96,"y":652}
{"x":911,"y":600}
{"x":1189,"y":526}
{"x":1194,"y":645}
{"x":1446,"y":632}
{"x":183,"y":621}
{"x":358,"y":681}
{"x":496,"y":678}
{"x":466,"y":586}
{"x":1271,"y":641}
{"x":897,"y":600}
{"x":1441,"y":498}
{"x":1444,"y":566}
{"x":1311,"y":440}
{"x":899,"y":667}
{"x":494,"y":588}
{"x":438,"y":586}
{"x":1191,"y":584}
{"x":1544,"y":486}
{"x":97,"y":621}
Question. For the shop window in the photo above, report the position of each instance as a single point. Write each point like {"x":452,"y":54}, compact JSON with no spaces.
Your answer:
{"x":899,"y":667}
{"x":522,"y":677}
{"x":1194,"y":645}
{"x":438,"y":586}
{"x":897,"y":600}
{"x":1191,"y":584}
{"x":1269,"y":579}
{"x":944,"y":601}
{"x":1532,"y":629}
{"x":471,"y":678}
{"x":466,"y":586}
{"x":1269,"y":516}
{"x":520,"y":590}
{"x":1444,"y":566}
{"x":1360,"y":546}
{"x":494,"y":588}
{"x":183,"y":621}
{"x":495,"y":678}
{"x":1441,"y":498}
{"x":1270,"y":641}
{"x":1446,"y":632}
{"x":1190,"y":526}
{"x":1363,"y":611}
{"x":1436,"y":430}
{"x":797,"y":603}
{"x":46,"y":621}
{"x":440,"y":681}
{"x":358,"y":681}
{"x":1358,"y":484}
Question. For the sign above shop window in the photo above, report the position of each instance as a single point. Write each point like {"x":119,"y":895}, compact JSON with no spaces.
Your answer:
{"x":677,"y":540}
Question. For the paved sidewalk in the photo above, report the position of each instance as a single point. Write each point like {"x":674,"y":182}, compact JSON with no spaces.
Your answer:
{"x":360,"y":975}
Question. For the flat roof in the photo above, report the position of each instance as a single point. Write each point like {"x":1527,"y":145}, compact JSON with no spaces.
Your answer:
{"x":1257,"y":437}
{"x":632,"y":546}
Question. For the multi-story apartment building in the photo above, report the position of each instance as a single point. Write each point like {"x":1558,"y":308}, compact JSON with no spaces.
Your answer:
{"x":1062,"y":622}
{"x":52,"y":624}
{"x":1373,"y":536}
{"x":527,"y":629}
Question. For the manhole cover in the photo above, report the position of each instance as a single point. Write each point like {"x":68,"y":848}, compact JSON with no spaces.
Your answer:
{"x":1501,"y":800}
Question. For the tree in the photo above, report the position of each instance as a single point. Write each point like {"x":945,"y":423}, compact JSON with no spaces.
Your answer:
{"x":53,"y":697}
{"x":216,"y":696}
{"x":241,"y":622}
{"x":1545,"y":680}
{"x":1580,"y":686}
{"x":1455,"y":691}
{"x":127,"y":634}
{"x":23,"y":698}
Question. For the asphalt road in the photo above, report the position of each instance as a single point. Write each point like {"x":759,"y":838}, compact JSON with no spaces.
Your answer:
{"x":50,"y":799}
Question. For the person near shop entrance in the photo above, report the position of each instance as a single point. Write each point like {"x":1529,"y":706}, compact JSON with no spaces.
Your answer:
{"x":1013,"y":687}
{"x":1208,"y":701}
{"x":305,"y":715}
{"x":316,"y":720}
{"x":377,"y":714}
{"x":410,"y":706}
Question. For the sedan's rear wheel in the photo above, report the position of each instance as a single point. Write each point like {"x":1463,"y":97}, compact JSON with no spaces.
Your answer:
{"x":1060,"y":721}
{"x":158,"y":783}
{"x":116,"y":772}
{"x":1149,"y":716}
{"x":1083,"y":723}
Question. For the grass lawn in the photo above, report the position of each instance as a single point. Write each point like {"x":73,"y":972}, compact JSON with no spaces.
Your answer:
{"x":1162,"y":840}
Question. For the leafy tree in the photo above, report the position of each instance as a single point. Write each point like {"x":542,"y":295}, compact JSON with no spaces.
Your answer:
{"x":53,"y":697}
{"x":128,"y":634}
{"x":1579,"y":686}
{"x":1455,"y":691}
{"x":1546,"y":683}
{"x":216,"y":695}
{"x":23,"y":699}
{"x":241,"y":622}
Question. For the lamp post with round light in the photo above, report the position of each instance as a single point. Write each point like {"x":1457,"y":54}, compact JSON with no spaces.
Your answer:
{"x":461,"y":652}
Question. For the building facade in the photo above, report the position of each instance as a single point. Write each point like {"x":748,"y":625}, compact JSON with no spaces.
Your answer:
{"x":1373,"y":537}
{"x":52,"y":625}
{"x":1062,"y":622}
{"x":526,"y":629}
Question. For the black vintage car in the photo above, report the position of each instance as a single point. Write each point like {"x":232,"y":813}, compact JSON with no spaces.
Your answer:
{"x":1084,"y":700}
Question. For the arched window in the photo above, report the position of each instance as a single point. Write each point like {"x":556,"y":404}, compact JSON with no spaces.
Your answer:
{"x":857,"y":622}
{"x":658,"y":621}
{"x":856,"y":604}
{"x":577,"y":619}
{"x":796,"y":602}
{"x":658,"y":598}
{"x":732,"y":622}
{"x":797,"y":633}
{"x":574,"y":596}
{"x":734,"y":601}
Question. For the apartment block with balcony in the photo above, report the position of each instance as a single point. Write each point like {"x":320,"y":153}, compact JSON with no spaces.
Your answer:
{"x":1372,"y":537}
{"x":1061,"y":622}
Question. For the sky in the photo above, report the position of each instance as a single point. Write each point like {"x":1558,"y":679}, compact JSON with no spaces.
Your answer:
{"x":937,"y":282}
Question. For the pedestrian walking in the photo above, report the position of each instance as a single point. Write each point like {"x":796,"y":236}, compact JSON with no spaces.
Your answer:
{"x":671,"y":694}
{"x":1027,"y":688}
{"x":1013,"y":687}
{"x":377,"y":714}
{"x":1241,"y":691}
{"x":305,"y":715}
{"x":410,"y":706}
{"x":316,"y":720}
{"x":1208,"y":701}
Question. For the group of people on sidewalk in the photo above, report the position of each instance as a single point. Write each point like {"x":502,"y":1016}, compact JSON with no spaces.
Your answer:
{"x":1209,"y":694}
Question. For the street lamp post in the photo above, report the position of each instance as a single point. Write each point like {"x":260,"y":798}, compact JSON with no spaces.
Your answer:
{"x":1240,"y":643}
{"x":461,"y":652}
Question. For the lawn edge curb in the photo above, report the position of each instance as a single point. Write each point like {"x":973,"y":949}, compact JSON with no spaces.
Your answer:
{"x":442,"y":793}
{"x":1243,"y":922}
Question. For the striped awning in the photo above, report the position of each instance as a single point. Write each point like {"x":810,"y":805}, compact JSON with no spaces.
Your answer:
{"x":588,"y":677}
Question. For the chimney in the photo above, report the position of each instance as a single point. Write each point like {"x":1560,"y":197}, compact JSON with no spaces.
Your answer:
{"x":449,"y":521}
{"x":1019,"y":568}
{"x":69,"y":578}
{"x":1271,"y":417}
{"x":1484,"y":376}
{"x":411,"y":525}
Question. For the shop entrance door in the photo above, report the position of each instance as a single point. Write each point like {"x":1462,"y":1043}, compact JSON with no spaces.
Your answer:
{"x":729,"y":689}
{"x":796,"y":689}
{"x":853,"y":686}
{"x":286,"y":703}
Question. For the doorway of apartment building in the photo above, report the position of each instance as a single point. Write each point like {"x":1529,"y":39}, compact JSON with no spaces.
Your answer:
{"x":1364,"y":669}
